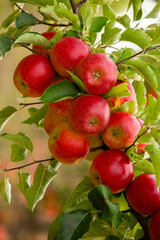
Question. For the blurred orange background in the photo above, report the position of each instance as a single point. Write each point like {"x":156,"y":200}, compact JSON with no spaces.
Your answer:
{"x":16,"y":221}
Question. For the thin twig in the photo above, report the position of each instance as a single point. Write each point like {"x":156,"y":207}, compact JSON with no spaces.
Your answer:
{"x":137,"y":139}
{"x":28,"y":104}
{"x":136,"y":54}
{"x":28,"y":164}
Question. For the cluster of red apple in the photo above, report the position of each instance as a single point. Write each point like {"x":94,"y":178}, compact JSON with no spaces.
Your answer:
{"x":77,"y":124}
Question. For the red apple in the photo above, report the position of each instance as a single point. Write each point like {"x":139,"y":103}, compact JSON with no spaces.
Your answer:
{"x":33,"y":75}
{"x":61,"y":108}
{"x":89,"y":114}
{"x":112,"y":168}
{"x":98,"y":73}
{"x":116,"y":102}
{"x":154,"y":229}
{"x":121,"y":130}
{"x":51,"y":121}
{"x":143,"y":195}
{"x":67,"y":53}
{"x":41,"y":50}
{"x":68,"y":146}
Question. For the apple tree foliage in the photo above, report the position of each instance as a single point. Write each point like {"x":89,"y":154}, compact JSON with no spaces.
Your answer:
{"x":90,"y":212}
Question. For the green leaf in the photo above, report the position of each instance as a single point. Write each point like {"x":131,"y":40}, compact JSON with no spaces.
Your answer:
{"x":33,"y":38}
{"x":110,"y":35}
{"x":136,"y":8}
{"x":108,"y":12}
{"x":155,"y":11}
{"x":18,"y":153}
{"x":10,"y":19}
{"x":5,"y":45}
{"x":124,"y":20}
{"x":20,"y":139}
{"x":144,"y":166}
{"x":5,"y":189}
{"x":26,"y":19}
{"x":5,"y":114}
{"x":145,"y":70}
{"x":56,"y":38}
{"x":72,"y":17}
{"x":87,"y":16}
{"x":79,"y":193}
{"x":98,"y":23}
{"x":136,"y":36}
{"x":111,"y":237}
{"x":54,"y":228}
{"x":98,"y":229}
{"x":140,"y":91}
{"x":24,"y":181}
{"x":37,"y":116}
{"x":156,"y":36}
{"x":42,"y":178}
{"x":63,"y":89}
{"x":150,"y":109}
{"x":78,"y":81}
{"x":37,"y":2}
{"x":154,"y":152}
{"x":130,"y":107}
{"x":74,"y":225}
{"x":120,"y":90}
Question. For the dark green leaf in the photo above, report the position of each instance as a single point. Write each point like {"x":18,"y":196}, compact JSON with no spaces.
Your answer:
{"x":54,"y":228}
{"x":37,"y":116}
{"x":136,"y":8}
{"x":5,"y":115}
{"x":20,"y":139}
{"x":5,"y":189}
{"x":26,"y":19}
{"x":5,"y":45}
{"x":137,"y":36}
{"x":74,"y":225}
{"x":97,"y":24}
{"x":42,"y":178}
{"x":59,"y":91}
{"x":112,"y":238}
{"x":10,"y":19}
{"x":18,"y":153}
{"x":24,"y":181}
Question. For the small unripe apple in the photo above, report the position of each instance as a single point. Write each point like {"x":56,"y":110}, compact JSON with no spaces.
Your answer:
{"x":41,"y":50}
{"x":33,"y":75}
{"x":116,"y":102}
{"x":89,"y":114}
{"x":67,"y":53}
{"x":98,"y":73}
{"x":112,"y":168}
{"x":51,"y":121}
{"x":68,"y":146}
{"x":141,"y":147}
{"x":143,"y":195}
{"x":61,"y":108}
{"x":121,"y":130}
{"x":154,"y":229}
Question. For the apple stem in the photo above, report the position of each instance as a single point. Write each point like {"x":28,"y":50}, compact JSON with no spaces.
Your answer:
{"x":26,"y":165}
